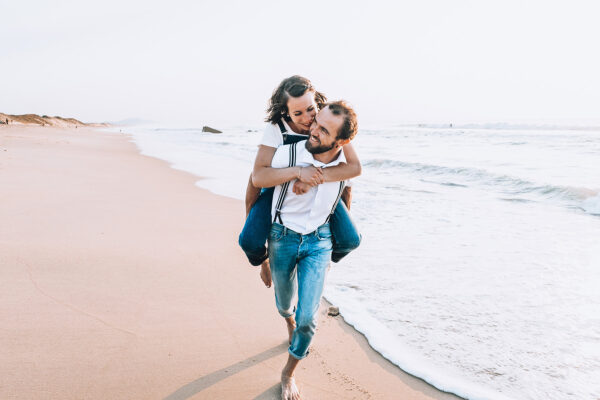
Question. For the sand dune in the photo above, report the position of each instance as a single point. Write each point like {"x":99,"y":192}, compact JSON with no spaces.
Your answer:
{"x":44,"y":120}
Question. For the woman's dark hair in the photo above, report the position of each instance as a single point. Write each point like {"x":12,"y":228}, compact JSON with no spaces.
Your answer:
{"x":294,"y":86}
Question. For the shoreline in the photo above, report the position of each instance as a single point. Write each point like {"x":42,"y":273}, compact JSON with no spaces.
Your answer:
{"x":171,"y":241}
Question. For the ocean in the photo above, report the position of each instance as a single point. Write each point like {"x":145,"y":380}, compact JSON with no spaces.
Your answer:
{"x":479,"y":270}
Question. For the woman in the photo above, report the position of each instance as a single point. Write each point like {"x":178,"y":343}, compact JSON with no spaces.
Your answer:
{"x":292,"y":109}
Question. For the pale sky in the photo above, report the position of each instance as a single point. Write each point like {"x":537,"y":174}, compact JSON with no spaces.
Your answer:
{"x":217,"y":62}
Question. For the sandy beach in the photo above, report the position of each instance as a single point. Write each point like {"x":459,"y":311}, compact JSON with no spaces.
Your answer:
{"x":123,"y":280}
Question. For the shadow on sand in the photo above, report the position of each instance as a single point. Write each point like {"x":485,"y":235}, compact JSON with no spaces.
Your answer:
{"x":206,"y":381}
{"x":272,"y":393}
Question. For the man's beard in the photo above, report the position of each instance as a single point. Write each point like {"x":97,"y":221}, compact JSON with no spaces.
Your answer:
{"x":318,"y":149}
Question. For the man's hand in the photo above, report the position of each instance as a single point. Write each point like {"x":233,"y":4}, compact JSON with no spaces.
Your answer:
{"x":311,"y":175}
{"x":300,"y":187}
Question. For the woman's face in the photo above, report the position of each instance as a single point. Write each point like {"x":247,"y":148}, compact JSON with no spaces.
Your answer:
{"x":302,"y":110}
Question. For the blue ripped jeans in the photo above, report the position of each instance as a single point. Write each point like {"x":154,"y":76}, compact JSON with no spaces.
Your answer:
{"x":298,"y":266}
{"x":258,"y":224}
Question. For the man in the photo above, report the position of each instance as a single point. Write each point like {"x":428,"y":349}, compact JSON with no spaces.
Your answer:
{"x":300,"y":239}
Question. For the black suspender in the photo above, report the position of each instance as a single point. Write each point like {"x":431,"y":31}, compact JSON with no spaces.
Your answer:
{"x":284,"y":187}
{"x":337,"y":200}
{"x":282,"y":129}
{"x":287,"y":138}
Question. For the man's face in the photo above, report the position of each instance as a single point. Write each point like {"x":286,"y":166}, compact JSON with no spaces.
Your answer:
{"x":323,"y":132}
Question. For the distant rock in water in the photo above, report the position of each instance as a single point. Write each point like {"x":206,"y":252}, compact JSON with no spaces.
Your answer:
{"x":211,"y":130}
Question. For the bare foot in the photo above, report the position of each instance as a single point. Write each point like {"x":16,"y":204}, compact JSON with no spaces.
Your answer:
{"x":289,"y":390}
{"x":265,"y":273}
{"x":291,"y":325}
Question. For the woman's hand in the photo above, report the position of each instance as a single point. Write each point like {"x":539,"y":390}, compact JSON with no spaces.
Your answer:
{"x":311,"y":175}
{"x":300,"y":187}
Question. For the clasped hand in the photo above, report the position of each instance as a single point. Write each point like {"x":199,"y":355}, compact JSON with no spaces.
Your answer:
{"x":309,"y":176}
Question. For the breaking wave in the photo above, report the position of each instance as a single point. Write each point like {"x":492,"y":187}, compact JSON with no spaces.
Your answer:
{"x":461,"y":177}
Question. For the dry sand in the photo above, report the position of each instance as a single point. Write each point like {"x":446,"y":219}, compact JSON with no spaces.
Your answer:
{"x":122,"y":280}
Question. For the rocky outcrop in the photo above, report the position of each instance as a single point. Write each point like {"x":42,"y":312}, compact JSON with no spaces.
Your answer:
{"x":211,"y":130}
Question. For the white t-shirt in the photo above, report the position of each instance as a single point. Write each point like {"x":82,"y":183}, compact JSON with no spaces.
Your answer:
{"x":306,"y":212}
{"x":272,"y":136}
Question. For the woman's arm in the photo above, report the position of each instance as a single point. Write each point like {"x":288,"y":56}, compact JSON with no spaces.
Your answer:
{"x":265,"y":176}
{"x":252,"y":194}
{"x":341,"y":172}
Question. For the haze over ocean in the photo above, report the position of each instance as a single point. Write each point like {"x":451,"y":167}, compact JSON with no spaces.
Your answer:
{"x":193,"y":63}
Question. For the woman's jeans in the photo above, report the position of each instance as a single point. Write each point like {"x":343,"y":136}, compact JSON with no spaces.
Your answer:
{"x":258,"y":224}
{"x":298,"y":266}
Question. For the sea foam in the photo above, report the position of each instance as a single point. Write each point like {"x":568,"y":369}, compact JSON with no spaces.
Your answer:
{"x":592,"y":205}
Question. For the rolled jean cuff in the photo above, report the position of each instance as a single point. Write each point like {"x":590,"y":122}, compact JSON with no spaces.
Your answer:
{"x":256,"y":261}
{"x":295,"y":355}
{"x":287,"y":314}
